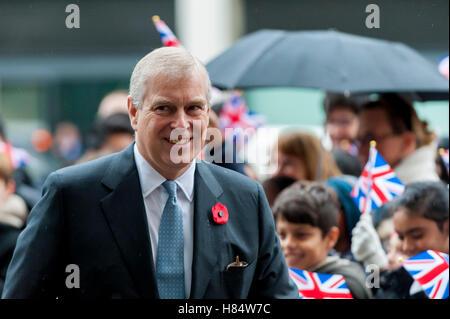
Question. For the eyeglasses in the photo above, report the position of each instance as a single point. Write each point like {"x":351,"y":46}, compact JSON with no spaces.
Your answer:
{"x":372,"y":137}
{"x":342,"y":123}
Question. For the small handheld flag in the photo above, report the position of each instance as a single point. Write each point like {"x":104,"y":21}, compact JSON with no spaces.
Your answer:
{"x":236,"y":115}
{"x":430,"y":270}
{"x":18,"y":157}
{"x":377,"y":184}
{"x":167,"y":36}
{"x":313,"y":285}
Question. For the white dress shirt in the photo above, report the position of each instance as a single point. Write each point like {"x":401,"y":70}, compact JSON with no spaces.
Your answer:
{"x":155,"y":197}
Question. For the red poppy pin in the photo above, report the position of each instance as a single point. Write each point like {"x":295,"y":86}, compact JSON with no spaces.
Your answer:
{"x":220,"y":213}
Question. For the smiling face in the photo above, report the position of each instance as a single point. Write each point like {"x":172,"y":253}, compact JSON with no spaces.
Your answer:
{"x":417,"y":234}
{"x":375,"y":125}
{"x":303,"y":245}
{"x":171,"y":124}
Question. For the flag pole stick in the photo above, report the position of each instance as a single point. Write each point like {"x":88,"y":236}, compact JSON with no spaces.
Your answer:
{"x":373,"y":144}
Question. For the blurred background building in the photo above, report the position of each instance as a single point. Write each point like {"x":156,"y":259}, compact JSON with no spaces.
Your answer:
{"x":51,"y":74}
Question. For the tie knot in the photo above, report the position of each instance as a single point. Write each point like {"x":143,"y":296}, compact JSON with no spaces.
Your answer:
{"x":171,"y":188}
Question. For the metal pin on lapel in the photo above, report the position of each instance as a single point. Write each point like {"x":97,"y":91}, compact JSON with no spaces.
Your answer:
{"x":237,"y":263}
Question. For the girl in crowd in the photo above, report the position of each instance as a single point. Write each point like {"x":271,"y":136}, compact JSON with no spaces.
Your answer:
{"x":421,"y":223}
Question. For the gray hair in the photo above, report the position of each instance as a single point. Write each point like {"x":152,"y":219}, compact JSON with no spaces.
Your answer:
{"x":174,"y":62}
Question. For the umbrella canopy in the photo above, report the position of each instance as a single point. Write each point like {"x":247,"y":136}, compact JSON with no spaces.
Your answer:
{"x":328,"y":60}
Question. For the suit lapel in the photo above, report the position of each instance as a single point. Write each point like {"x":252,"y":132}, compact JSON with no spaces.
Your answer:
{"x":125,"y":212}
{"x":208,"y":236}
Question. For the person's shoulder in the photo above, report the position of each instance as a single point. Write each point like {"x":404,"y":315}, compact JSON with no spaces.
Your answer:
{"x":353,"y":274}
{"x":345,"y":267}
{"x":351,"y":268}
{"x":84,"y":172}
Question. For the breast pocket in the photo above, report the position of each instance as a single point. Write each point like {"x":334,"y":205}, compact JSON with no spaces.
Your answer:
{"x":236,"y":281}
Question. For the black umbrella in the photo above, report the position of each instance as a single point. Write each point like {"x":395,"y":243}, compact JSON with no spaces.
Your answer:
{"x":328,"y":60}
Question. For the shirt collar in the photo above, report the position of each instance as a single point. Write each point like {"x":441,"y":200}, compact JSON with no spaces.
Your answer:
{"x":150,"y":179}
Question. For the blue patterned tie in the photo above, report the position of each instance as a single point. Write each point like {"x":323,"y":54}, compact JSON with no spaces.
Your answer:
{"x":170,"y":259}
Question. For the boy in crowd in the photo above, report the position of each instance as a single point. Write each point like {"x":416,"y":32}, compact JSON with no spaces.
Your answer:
{"x":306,"y":217}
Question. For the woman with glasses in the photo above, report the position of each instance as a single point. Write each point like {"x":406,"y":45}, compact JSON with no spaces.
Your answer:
{"x":403,"y":140}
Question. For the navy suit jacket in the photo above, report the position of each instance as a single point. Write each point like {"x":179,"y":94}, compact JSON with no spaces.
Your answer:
{"x":92,"y":215}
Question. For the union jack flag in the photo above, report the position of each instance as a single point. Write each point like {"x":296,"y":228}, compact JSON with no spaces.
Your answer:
{"x":167,"y":36}
{"x":235,"y":114}
{"x":18,"y":157}
{"x":430,"y":270}
{"x":444,"y":155}
{"x":313,"y":285}
{"x":377,"y":184}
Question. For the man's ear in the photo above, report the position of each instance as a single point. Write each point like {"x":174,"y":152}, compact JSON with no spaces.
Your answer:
{"x":332,"y":237}
{"x":409,"y":142}
{"x":132,"y":112}
{"x":445,"y":228}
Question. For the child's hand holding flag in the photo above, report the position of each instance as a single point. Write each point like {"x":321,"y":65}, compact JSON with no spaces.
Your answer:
{"x":376,"y":186}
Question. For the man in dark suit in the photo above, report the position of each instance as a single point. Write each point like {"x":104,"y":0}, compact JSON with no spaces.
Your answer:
{"x":153,"y":221}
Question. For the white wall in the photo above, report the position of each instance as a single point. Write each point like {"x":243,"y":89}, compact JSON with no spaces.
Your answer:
{"x":208,"y":27}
